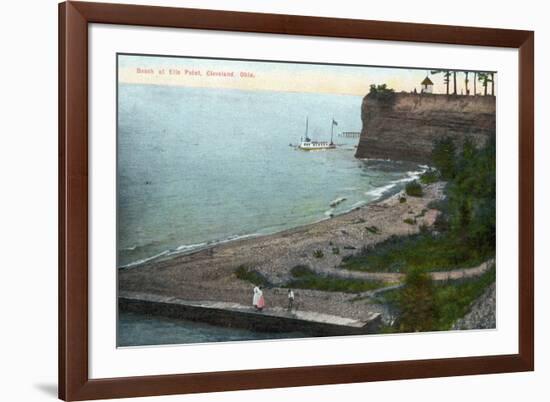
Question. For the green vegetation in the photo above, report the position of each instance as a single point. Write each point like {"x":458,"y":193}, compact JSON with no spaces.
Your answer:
{"x":318,"y":254}
{"x":380,"y":89}
{"x":402,"y":200}
{"x":465,"y":234}
{"x":336,"y":250}
{"x":485,"y":79}
{"x":305,"y":278}
{"x":413,"y":189}
{"x":444,"y":157}
{"x":372,"y":229}
{"x":416,"y":303}
{"x":454,"y":300}
{"x":421,"y":214}
{"x":429,"y":177}
{"x":425,"y":305}
{"x":410,"y":221}
{"x":251,"y":275}
{"x":300,"y":270}
{"x":425,"y":250}
{"x":471,"y":212}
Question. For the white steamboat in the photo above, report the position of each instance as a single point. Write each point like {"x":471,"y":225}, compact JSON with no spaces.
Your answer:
{"x":307,"y":144}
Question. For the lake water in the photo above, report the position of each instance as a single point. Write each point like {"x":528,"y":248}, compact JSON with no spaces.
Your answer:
{"x":136,"y":329}
{"x":199,"y":166}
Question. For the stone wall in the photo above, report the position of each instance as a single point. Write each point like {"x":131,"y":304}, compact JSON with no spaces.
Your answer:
{"x":254,"y":321}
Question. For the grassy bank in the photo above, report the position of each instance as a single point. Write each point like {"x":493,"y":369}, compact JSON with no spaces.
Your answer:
{"x":425,"y":251}
{"x":305,"y":278}
{"x":447,"y":302}
{"x":245,"y":273}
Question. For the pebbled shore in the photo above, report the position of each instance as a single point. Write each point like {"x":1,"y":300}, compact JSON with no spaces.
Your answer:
{"x":209,"y":274}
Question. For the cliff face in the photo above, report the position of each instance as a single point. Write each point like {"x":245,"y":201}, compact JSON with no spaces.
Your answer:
{"x":403,"y":126}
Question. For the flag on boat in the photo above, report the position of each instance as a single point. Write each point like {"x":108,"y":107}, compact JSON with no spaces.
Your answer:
{"x":334,"y":122}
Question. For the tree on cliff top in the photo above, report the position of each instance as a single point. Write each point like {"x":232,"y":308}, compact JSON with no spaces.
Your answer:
{"x":466,"y":81}
{"x":447,"y":78}
{"x":485,"y":79}
{"x":380,"y":89}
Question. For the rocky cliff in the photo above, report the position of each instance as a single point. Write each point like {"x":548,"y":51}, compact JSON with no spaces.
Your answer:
{"x":482,"y":314}
{"x":403,"y":126}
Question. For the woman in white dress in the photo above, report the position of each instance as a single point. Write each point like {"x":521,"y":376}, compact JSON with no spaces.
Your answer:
{"x":261,"y":300}
{"x":256,"y":297}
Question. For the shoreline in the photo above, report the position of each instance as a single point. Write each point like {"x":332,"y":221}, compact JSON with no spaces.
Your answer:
{"x":209,"y":273}
{"x":174,"y":253}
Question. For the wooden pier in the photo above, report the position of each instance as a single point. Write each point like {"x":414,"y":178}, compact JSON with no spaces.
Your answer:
{"x":350,"y":134}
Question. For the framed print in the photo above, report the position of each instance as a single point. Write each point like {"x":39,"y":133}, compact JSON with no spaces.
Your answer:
{"x":259,"y":200}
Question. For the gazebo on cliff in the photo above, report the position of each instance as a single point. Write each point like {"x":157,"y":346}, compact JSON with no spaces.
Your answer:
{"x":427,"y":86}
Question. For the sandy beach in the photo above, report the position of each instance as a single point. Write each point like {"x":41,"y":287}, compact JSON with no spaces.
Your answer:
{"x":209,"y":274}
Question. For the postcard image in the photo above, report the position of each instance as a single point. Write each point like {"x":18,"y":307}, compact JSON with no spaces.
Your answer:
{"x":265,"y":200}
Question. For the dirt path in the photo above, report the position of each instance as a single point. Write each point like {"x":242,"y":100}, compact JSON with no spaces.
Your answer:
{"x":395,"y":277}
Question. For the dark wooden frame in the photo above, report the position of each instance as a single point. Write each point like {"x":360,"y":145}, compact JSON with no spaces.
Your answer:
{"x":74,"y":17}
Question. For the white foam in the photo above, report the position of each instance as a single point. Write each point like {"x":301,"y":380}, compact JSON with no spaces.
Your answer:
{"x":144,"y":260}
{"x":186,"y":247}
{"x":337,"y":201}
{"x":411,"y":175}
{"x":379,"y":191}
{"x":131,"y":248}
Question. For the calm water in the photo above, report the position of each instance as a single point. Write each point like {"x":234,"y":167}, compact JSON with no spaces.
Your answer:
{"x":200,"y":166}
{"x":140,"y":330}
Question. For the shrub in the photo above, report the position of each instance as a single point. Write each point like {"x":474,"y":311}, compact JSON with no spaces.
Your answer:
{"x":413,"y":189}
{"x":365,"y":250}
{"x":402,"y":200}
{"x":431,"y":176}
{"x":318,"y":254}
{"x":251,"y":275}
{"x":336,"y":250}
{"x":422,"y":213}
{"x":416,"y":303}
{"x":380,"y":89}
{"x":372,"y":229}
{"x":410,"y":221}
{"x":301,"y":271}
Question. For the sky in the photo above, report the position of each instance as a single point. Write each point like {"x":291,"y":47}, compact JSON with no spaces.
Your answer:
{"x":276,"y":76}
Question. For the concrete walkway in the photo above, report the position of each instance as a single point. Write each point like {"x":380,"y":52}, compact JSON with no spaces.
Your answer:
{"x":230,"y":314}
